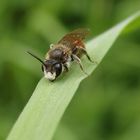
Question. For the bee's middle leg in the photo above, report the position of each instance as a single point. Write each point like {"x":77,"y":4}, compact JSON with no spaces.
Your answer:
{"x":77,"y":59}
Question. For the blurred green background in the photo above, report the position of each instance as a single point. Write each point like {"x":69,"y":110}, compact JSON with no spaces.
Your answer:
{"x":107,"y":104}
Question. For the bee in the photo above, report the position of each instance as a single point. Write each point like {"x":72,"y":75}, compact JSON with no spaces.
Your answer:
{"x":60,"y":55}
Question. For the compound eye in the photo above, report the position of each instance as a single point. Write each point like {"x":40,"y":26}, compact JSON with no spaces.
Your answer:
{"x":57,"y":66}
{"x":58,"y":69}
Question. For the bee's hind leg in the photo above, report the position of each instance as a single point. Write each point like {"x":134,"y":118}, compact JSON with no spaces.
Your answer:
{"x":77,"y":59}
{"x":85,"y":52}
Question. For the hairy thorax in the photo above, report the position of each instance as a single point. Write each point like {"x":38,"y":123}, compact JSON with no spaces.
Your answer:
{"x":60,"y":53}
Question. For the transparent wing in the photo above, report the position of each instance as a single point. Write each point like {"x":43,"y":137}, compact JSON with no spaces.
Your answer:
{"x":74,"y":37}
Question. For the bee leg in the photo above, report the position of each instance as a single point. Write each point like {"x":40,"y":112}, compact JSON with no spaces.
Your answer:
{"x":51,"y":46}
{"x":77,"y":59}
{"x":42,"y":68}
{"x":66,"y":68}
{"x":85,"y":52}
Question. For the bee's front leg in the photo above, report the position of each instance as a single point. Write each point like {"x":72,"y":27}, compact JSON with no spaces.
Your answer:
{"x":66,"y":68}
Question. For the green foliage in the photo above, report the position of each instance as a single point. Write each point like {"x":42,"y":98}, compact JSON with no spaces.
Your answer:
{"x":49,"y":100}
{"x":106,"y":105}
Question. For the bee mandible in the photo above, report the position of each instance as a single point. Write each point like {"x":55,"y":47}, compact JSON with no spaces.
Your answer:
{"x":59,"y":57}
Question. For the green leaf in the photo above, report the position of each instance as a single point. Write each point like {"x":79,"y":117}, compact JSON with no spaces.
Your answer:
{"x":45,"y":108}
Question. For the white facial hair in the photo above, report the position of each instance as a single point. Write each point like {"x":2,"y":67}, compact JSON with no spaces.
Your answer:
{"x":49,"y":75}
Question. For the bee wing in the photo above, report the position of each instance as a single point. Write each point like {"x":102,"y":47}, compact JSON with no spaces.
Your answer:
{"x":76,"y":35}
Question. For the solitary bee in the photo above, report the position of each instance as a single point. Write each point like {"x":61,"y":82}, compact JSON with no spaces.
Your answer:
{"x":58,"y":59}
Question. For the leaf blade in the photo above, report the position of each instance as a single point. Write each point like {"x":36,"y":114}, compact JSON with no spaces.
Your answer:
{"x":45,"y":108}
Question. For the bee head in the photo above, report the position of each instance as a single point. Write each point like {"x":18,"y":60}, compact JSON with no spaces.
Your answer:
{"x":51,"y":68}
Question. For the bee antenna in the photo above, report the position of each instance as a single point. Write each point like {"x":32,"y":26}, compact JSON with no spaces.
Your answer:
{"x":36,"y":57}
